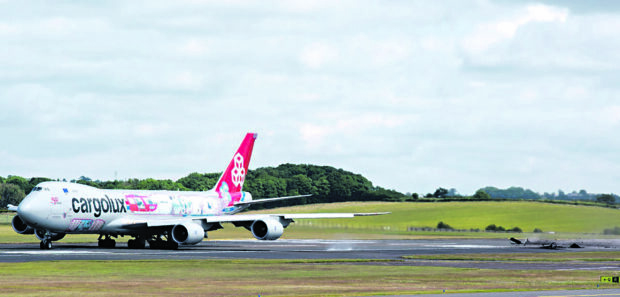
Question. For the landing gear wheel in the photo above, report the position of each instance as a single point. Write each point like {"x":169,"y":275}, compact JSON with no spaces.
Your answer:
{"x":107,"y":243}
{"x":158,"y":243}
{"x":46,"y":244}
{"x":172,"y":245}
{"x":137,"y":243}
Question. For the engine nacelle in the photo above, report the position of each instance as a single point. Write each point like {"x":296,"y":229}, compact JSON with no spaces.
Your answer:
{"x":20,"y":226}
{"x":267,"y":229}
{"x":188,"y":233}
{"x":40,"y":234}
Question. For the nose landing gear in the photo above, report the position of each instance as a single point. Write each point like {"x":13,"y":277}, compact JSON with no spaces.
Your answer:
{"x":46,"y":239}
{"x":46,"y":244}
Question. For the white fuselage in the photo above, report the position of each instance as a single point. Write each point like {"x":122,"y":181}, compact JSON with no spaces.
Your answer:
{"x":75,"y":208}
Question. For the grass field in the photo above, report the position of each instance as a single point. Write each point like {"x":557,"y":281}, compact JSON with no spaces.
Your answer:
{"x":465,"y":215}
{"x":611,"y":256}
{"x":270,"y":278}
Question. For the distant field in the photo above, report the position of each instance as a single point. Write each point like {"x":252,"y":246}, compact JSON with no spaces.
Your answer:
{"x":565,"y":220}
{"x":464,"y":215}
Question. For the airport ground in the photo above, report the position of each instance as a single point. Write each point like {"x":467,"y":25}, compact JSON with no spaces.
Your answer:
{"x":306,"y":267}
{"x":339,"y":258}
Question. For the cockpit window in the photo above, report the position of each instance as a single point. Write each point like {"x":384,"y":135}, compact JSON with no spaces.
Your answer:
{"x":37,"y":189}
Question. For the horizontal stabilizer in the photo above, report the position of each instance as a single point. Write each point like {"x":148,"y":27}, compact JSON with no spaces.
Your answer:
{"x":11,"y":207}
{"x":248,"y":203}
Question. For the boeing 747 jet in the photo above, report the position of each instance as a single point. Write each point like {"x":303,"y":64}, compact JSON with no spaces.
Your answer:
{"x":164,"y":219}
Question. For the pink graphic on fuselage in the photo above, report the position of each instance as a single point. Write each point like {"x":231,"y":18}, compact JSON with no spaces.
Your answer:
{"x":81,"y":225}
{"x":136,"y":203}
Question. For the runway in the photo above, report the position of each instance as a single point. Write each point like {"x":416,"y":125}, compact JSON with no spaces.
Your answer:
{"x":313,"y":249}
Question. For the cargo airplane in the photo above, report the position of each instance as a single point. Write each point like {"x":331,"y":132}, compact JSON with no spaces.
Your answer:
{"x":163,"y":219}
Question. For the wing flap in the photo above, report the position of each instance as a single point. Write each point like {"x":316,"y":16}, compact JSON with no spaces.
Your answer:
{"x":254,"y":217}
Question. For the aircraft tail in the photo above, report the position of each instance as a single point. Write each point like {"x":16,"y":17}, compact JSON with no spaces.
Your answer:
{"x":231,"y":181}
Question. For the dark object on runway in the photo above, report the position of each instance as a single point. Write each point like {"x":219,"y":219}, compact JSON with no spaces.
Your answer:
{"x":575,"y":246}
{"x":515,"y":241}
{"x":550,"y":246}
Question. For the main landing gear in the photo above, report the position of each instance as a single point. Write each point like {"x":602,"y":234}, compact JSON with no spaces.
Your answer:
{"x":106,"y":241}
{"x":137,"y":243}
{"x":157,"y":242}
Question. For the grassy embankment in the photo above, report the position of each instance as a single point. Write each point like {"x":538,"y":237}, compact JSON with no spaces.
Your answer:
{"x":564,"y":220}
{"x":270,"y":278}
{"x":608,"y":256}
{"x":460,"y":215}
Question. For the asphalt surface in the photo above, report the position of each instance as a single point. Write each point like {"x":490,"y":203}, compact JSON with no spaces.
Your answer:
{"x":315,"y":249}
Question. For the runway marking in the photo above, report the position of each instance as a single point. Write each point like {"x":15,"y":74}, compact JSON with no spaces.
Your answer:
{"x":591,"y":268}
{"x":55,"y":252}
{"x":142,"y":252}
{"x":463,"y":246}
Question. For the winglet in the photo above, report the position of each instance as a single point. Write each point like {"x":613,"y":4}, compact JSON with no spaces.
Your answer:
{"x":264,"y":200}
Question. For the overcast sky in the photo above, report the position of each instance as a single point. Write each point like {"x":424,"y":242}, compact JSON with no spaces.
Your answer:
{"x":414,"y":95}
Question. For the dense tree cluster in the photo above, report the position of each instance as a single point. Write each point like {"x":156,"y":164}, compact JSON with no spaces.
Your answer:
{"x":326,"y":184}
{"x":511,"y":193}
{"x":14,"y":188}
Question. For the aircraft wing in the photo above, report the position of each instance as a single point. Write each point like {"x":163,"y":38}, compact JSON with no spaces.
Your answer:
{"x":254,"y":217}
{"x":239,"y":220}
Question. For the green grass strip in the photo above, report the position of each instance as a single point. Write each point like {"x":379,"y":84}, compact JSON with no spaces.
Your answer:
{"x":529,"y":257}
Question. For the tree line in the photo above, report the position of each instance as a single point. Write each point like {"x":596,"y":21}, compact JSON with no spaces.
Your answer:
{"x":325,"y":183}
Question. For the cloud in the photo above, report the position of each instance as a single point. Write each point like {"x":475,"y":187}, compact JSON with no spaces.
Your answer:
{"x":457,"y":94}
{"x":316,"y":55}
{"x":194,"y":47}
{"x":345,"y":126}
{"x":489,"y":34}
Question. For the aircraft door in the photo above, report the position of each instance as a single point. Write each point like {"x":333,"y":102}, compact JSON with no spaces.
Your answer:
{"x":56,"y":208}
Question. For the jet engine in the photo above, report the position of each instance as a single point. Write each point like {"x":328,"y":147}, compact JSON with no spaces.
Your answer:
{"x":40,"y":234}
{"x":267,"y":229}
{"x":188,"y":233}
{"x":20,"y":226}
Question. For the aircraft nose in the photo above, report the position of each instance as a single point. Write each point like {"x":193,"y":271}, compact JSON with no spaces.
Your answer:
{"x":29,"y":210}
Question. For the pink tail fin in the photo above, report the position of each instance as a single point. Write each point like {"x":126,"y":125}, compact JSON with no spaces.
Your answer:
{"x":233,"y":177}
